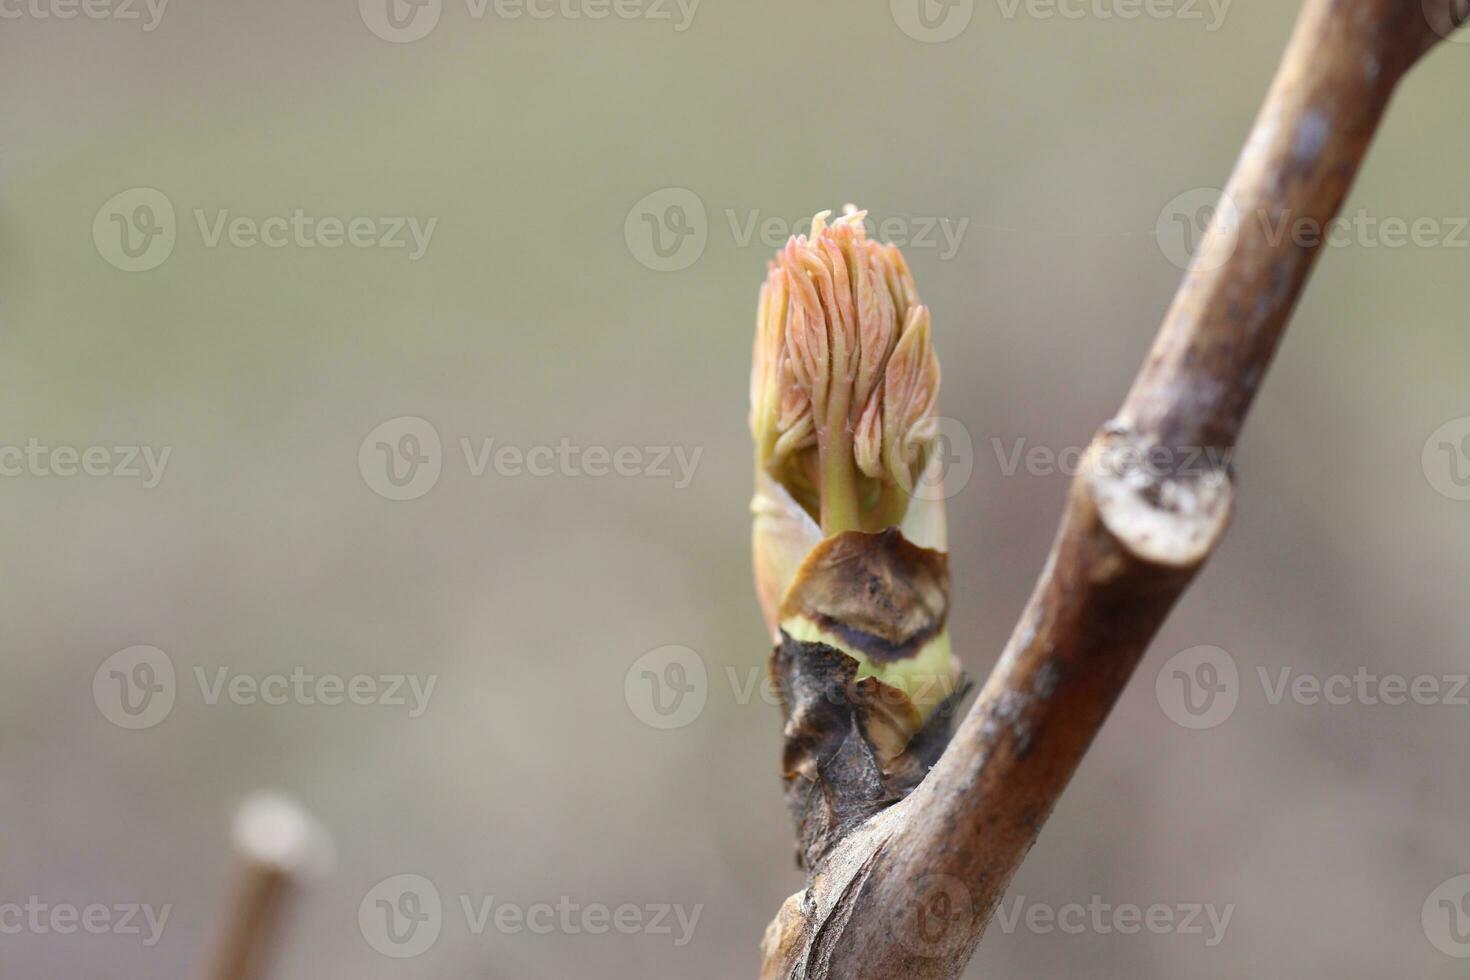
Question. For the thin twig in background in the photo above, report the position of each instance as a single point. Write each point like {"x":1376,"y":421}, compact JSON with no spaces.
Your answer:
{"x":278,"y":846}
{"x":909,"y":892}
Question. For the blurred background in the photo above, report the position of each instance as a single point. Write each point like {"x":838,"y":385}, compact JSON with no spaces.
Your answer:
{"x":373,"y":385}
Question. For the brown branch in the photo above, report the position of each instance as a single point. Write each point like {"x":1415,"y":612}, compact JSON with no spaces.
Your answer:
{"x":909,"y":893}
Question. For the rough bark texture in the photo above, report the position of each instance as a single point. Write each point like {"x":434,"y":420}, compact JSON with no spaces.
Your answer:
{"x":907,"y":892}
{"x":836,"y":776}
{"x":855,"y":746}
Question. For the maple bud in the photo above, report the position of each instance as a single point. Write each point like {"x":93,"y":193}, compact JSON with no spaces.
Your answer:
{"x":843,"y":398}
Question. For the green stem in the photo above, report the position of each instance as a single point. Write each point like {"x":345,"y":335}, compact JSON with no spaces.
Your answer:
{"x":839,"y":489}
{"x":893,"y":504}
